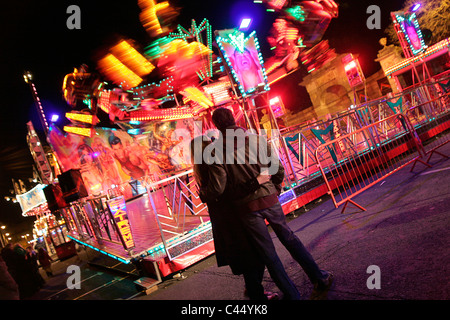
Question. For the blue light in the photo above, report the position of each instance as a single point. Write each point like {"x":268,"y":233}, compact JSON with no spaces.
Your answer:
{"x":133,"y":131}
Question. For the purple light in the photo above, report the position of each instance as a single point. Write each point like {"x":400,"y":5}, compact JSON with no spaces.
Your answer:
{"x":54,"y":118}
{"x":245,"y":23}
{"x":416,"y":7}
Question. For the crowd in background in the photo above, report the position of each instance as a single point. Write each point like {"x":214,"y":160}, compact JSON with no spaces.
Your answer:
{"x":19,"y":271}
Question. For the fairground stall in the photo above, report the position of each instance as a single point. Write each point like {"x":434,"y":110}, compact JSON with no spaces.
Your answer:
{"x":127,"y":190}
{"x":50,"y":231}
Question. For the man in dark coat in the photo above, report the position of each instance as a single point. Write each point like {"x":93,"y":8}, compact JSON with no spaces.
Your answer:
{"x":231,"y":242}
{"x":244,"y":156}
{"x":8,"y":286}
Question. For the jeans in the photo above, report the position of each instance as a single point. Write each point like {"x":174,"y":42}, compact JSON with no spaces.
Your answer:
{"x":254,"y":222}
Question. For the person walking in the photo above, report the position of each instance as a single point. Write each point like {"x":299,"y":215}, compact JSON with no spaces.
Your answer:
{"x":23,"y":275}
{"x":31,"y":259}
{"x":232,"y":245}
{"x":239,"y":165}
{"x":45,"y":261}
{"x":8,"y":286}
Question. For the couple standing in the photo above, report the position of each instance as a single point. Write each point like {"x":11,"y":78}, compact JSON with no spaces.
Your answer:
{"x":240,"y":198}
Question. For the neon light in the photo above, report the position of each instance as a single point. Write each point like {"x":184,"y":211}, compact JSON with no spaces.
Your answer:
{"x":350,"y":65}
{"x":130,"y":57}
{"x":41,"y":110}
{"x":162,"y":114}
{"x":86,"y":118}
{"x":444,"y":44}
{"x":412,"y":32}
{"x":197,"y":96}
{"x":86,"y":132}
{"x":238,"y":41}
{"x":274,"y":100}
{"x":297,"y":13}
{"x":119,"y":73}
{"x":97,"y":249}
{"x":416,"y":7}
{"x":195,"y":32}
{"x":246,"y":49}
{"x":149,"y":17}
{"x":245,"y":23}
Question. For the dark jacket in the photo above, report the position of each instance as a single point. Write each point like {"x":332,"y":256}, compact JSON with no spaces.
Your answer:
{"x":231,"y":243}
{"x":235,"y":170}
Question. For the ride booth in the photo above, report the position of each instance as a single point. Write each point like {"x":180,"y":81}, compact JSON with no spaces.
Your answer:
{"x":50,"y":231}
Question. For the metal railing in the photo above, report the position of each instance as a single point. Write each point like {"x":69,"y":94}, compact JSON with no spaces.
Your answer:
{"x":364,"y":162}
{"x":182,"y":218}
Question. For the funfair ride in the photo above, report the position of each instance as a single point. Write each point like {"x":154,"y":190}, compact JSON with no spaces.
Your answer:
{"x":128,"y":188}
{"x":157,"y":97}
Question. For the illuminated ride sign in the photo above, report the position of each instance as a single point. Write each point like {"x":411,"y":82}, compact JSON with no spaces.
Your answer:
{"x":32,"y":200}
{"x":411,"y":30}
{"x":352,"y":70}
{"x":243,"y":57}
{"x":119,"y":214}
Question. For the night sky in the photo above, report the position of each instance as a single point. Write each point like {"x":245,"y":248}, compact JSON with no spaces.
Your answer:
{"x":34,"y":37}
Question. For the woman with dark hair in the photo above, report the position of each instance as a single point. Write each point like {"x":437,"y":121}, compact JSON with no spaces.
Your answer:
{"x":232,"y":247}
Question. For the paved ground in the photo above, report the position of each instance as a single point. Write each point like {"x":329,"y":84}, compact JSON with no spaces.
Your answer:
{"x":404,"y":233}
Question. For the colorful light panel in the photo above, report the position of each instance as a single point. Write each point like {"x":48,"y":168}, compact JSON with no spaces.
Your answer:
{"x":243,"y":56}
{"x":412,"y":32}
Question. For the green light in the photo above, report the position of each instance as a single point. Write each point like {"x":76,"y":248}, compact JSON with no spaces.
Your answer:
{"x":297,"y":13}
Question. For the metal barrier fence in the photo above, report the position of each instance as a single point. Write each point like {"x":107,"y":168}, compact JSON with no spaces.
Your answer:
{"x":426,"y":106}
{"x":354,"y":162}
{"x":90,"y":218}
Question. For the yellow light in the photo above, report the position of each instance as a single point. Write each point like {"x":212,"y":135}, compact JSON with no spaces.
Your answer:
{"x":129,"y":56}
{"x":119,"y":73}
{"x":86,"y":118}
{"x":86,"y":132}
{"x":148,"y":16}
{"x":185,"y":50}
{"x":196,"y":95}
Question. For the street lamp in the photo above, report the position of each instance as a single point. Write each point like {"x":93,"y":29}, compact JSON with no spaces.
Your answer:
{"x":2,"y":237}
